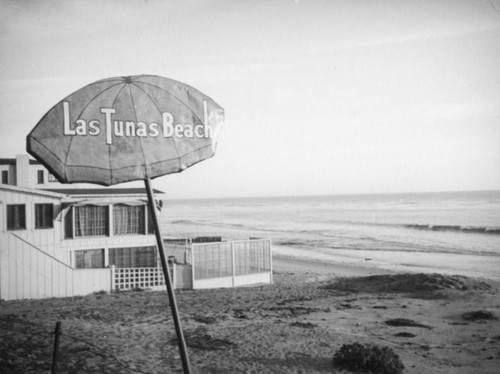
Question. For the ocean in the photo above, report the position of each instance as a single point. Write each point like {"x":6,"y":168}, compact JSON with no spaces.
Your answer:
{"x":452,"y":232}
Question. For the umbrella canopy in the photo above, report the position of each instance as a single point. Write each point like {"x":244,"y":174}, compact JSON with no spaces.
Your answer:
{"x":126,"y":128}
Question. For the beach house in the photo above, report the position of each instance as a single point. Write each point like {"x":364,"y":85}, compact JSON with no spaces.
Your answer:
{"x":63,"y":240}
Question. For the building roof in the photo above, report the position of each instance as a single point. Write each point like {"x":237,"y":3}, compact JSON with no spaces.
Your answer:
{"x":31,"y":191}
{"x":100,"y":191}
{"x":12,"y":161}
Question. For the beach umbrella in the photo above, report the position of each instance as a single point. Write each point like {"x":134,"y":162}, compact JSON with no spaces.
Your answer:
{"x":125,"y":129}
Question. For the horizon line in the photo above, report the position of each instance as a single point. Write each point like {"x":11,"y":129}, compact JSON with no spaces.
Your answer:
{"x":334,"y":194}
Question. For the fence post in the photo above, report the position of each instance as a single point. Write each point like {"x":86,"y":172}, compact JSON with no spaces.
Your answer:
{"x":193,"y":275}
{"x":174,"y":275}
{"x":113,"y":281}
{"x":233,"y":264}
{"x":55,"y":353}
{"x":271,"y":260}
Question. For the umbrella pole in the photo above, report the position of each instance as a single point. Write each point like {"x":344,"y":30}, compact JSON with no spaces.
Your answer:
{"x":168,"y":280}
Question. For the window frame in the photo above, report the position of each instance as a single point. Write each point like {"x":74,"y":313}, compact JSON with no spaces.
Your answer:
{"x":47,"y":217}
{"x":150,"y":227}
{"x":71,"y":221}
{"x":133,"y":257}
{"x":40,"y":177}
{"x":93,"y":259}
{"x":12,"y":226}
{"x":5,"y":177}
{"x":132,"y":220}
{"x":77,"y":227}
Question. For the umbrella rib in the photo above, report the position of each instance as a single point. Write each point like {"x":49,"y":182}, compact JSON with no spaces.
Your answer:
{"x":159,"y":111}
{"x":85,"y":107}
{"x":48,"y":149}
{"x":88,"y":167}
{"x":140,"y":140}
{"x":172,"y":95}
{"x":109,"y":148}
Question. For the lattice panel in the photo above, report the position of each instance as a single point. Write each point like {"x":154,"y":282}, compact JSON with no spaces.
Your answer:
{"x":144,"y":278}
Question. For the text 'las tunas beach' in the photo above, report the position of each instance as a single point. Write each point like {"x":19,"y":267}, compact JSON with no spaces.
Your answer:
{"x":129,"y":128}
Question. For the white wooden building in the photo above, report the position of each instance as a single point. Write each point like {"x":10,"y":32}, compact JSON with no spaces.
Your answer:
{"x":62,"y":240}
{"x":58,"y":241}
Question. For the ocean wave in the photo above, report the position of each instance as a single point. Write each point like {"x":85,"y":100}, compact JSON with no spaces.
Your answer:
{"x":379,"y":246}
{"x":457,"y":228}
{"x":183,"y":222}
{"x":490,"y":230}
{"x":211,"y":224}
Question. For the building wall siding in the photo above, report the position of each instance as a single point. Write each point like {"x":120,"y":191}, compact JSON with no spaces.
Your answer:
{"x":87,"y":281}
{"x":47,"y":239}
{"x":27,"y":272}
{"x":52,"y":240}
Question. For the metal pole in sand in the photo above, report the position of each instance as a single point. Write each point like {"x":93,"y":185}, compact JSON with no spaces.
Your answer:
{"x":166,"y":272}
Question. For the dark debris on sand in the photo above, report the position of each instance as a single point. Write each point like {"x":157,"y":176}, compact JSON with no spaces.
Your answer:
{"x":419,"y":285}
{"x":404,"y":322}
{"x":404,"y":334}
{"x":479,"y":315}
{"x":368,"y":357}
{"x":201,"y":338}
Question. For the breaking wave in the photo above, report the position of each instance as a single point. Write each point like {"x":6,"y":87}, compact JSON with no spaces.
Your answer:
{"x":457,"y":228}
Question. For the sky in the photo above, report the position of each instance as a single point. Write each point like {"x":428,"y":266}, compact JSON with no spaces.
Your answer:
{"x":320,"y":97}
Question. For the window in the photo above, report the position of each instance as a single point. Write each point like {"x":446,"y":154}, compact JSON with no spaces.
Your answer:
{"x":44,"y":214}
{"x":40,"y":179}
{"x":128,"y":219}
{"x":91,"y":220}
{"x":134,"y":257}
{"x":89,"y":259}
{"x":94,"y":220}
{"x":68,"y":223}
{"x":16,"y":217}
{"x":5,"y":177}
{"x":151,"y":226}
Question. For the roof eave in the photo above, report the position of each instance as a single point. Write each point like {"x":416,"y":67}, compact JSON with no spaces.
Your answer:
{"x":32,"y":191}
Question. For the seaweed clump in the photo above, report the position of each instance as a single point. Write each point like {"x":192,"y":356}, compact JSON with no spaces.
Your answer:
{"x":201,"y":338}
{"x":368,"y":357}
{"x":423,"y":286}
{"x":479,"y":315}
{"x":405,"y":322}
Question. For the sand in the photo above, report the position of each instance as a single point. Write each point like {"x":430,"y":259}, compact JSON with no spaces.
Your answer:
{"x":293,"y":326}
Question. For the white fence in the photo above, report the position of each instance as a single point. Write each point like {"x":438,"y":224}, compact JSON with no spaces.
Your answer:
{"x":231,"y":264}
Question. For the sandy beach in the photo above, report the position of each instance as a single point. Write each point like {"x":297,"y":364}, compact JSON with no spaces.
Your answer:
{"x":293,"y":326}
{"x":335,"y":162}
